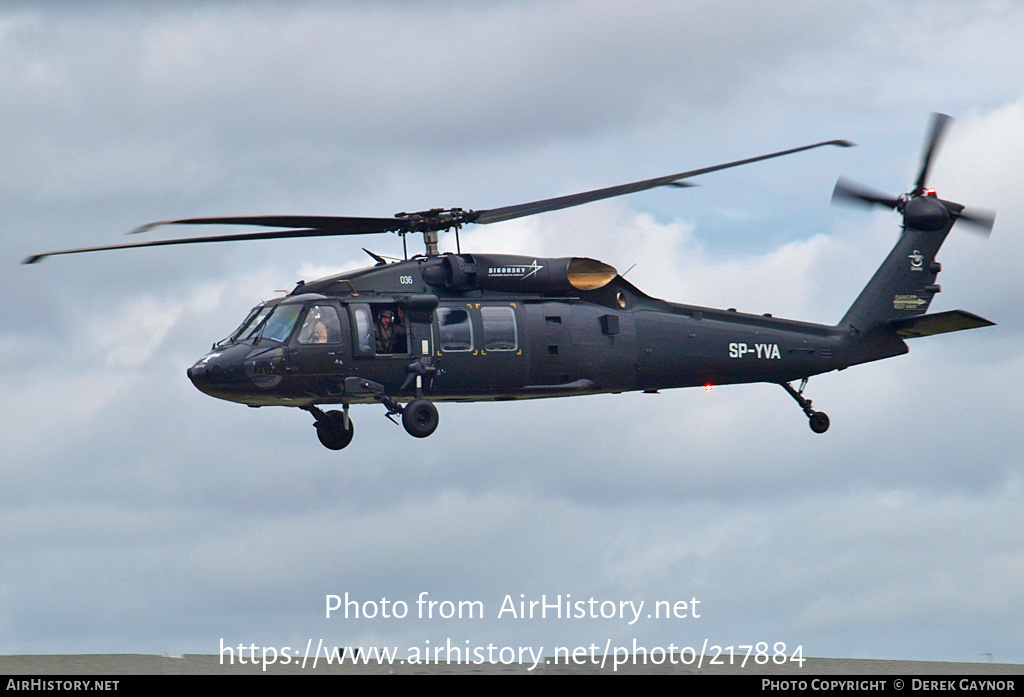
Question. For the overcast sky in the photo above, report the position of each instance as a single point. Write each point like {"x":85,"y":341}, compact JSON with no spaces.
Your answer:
{"x":139,"y":515}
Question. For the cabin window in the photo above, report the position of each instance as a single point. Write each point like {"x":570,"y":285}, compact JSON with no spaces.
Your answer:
{"x":454,"y":329}
{"x":500,"y":332}
{"x":321,"y":326}
{"x":364,"y":330}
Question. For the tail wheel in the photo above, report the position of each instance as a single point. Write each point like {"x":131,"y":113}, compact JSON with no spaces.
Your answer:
{"x":332,"y":432}
{"x":420,"y":418}
{"x":819,"y":422}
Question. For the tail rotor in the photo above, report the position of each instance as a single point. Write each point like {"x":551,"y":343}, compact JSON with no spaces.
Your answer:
{"x":921,"y":208}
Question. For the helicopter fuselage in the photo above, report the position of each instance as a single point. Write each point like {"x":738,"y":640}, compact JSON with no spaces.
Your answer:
{"x":498,"y":327}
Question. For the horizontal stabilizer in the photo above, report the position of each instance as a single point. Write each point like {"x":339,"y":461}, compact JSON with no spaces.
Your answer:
{"x":938,"y":323}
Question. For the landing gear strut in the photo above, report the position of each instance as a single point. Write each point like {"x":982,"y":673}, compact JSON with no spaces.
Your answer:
{"x":818,"y":420}
{"x":334,"y":428}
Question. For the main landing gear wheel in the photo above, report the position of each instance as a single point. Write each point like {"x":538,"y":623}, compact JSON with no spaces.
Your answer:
{"x":819,"y":421}
{"x":420,"y":418}
{"x":332,"y":432}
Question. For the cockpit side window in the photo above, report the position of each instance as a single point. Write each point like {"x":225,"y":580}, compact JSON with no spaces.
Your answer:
{"x":321,"y":326}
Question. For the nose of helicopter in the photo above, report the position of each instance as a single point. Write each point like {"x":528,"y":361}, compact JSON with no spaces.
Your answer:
{"x":221,"y":373}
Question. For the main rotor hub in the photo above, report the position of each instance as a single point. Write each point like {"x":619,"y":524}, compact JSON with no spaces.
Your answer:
{"x":432,"y":221}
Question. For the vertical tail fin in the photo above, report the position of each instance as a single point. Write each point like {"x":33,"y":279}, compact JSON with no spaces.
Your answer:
{"x":903,"y":286}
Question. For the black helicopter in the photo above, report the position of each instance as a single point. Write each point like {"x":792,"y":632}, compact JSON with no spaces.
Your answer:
{"x":473,"y":327}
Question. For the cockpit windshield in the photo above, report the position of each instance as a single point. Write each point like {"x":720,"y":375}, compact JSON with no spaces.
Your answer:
{"x":252,"y":319}
{"x":278,"y":326}
{"x":259,"y":323}
{"x":256,"y":319}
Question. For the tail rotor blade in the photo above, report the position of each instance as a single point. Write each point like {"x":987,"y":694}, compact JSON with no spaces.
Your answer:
{"x":939,"y":124}
{"x":850,"y":191}
{"x":981,"y":221}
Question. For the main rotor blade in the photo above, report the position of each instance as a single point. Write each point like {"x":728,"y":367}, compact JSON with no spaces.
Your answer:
{"x":848,"y":190}
{"x":521,"y":210}
{"x":268,"y":235}
{"x":328,"y":224}
{"x":939,"y":124}
{"x":435,"y":219}
{"x":315,"y":226}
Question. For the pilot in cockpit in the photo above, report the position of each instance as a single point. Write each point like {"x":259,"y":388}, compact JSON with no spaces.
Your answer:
{"x":320,"y":327}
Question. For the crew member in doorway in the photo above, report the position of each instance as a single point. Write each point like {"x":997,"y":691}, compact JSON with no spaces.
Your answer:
{"x":390,"y":337}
